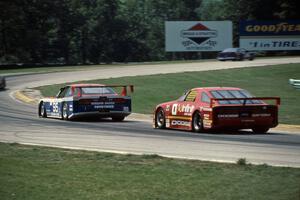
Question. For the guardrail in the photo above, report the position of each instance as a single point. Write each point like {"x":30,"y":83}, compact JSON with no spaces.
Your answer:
{"x":295,"y":83}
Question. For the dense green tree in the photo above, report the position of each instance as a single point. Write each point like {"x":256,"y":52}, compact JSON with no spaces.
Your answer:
{"x":105,"y":31}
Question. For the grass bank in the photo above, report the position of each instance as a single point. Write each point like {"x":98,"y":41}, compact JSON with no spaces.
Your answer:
{"x":260,"y":81}
{"x":31,"y":172}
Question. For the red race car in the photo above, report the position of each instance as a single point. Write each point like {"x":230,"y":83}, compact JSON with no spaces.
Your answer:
{"x":218,"y":108}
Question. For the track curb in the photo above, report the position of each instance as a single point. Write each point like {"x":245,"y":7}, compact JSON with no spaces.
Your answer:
{"x":22,"y":96}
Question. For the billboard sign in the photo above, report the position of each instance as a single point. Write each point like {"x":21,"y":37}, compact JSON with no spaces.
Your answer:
{"x":270,"y":35}
{"x":197,"y":35}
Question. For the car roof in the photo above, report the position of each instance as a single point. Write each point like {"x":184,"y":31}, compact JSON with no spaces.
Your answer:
{"x":208,"y":89}
{"x":231,"y":49}
{"x":85,"y":85}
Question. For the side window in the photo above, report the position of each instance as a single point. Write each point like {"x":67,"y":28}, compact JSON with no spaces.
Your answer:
{"x":68,"y":92}
{"x":205,"y":98}
{"x":63,"y":92}
{"x":77,"y":92}
{"x":191,"y":96}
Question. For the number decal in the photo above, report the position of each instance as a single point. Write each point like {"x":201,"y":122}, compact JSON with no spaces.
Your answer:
{"x":54,"y":106}
{"x":174,"y":109}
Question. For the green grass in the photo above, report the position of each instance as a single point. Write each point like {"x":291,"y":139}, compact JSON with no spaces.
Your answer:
{"x":31,"y":172}
{"x":260,"y":81}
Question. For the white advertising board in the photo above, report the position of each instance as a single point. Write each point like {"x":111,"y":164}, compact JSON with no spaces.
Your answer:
{"x":181,"y":36}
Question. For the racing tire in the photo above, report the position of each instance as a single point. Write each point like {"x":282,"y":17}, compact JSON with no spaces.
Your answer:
{"x":118,"y":119}
{"x":260,"y":130}
{"x":65,"y":112}
{"x":197,"y":122}
{"x":42,"y":110}
{"x":160,"y":119}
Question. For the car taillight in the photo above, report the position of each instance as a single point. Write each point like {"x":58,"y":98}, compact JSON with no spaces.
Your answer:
{"x":119,"y":100}
{"x":85,"y":101}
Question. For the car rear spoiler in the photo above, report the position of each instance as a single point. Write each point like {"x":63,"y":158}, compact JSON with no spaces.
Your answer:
{"x":124,"y":88}
{"x":213,"y":100}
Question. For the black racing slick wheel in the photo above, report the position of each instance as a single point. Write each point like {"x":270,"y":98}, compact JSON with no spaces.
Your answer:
{"x":65,"y":112}
{"x":197,"y":122}
{"x":42,"y":110}
{"x":260,"y":130}
{"x":118,"y":119}
{"x":160,"y":119}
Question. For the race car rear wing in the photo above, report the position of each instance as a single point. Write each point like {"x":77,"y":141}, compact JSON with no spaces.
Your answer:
{"x":122,"y":93}
{"x":124,"y":88}
{"x":244,"y":100}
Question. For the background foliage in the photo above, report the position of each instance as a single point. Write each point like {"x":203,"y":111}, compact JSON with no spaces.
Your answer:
{"x":105,"y":31}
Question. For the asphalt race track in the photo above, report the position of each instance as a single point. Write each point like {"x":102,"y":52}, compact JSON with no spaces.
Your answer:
{"x":19,"y":123}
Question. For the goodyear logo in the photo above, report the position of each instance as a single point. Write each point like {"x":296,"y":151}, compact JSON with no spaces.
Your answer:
{"x":261,"y":28}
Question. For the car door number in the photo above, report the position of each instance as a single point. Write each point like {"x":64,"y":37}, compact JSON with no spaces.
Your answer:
{"x":174,"y":109}
{"x":54,"y":106}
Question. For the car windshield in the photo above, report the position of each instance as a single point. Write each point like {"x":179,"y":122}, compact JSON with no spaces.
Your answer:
{"x":223,"y":94}
{"x":97,"y":90}
{"x":231,"y":50}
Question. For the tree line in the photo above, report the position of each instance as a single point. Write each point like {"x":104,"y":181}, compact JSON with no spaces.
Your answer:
{"x":105,"y":31}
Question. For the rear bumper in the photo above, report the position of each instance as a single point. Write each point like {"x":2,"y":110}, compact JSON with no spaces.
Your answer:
{"x":99,"y":114}
{"x":244,"y":123}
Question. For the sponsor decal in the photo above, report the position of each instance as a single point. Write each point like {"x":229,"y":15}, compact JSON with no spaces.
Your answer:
{"x":206,"y":116}
{"x":207,"y":123}
{"x":228,"y":115}
{"x":180,"y":123}
{"x":248,"y":120}
{"x":182,"y":108}
{"x":126,"y":109}
{"x":167,"y":123}
{"x":191,"y":96}
{"x":103,"y":106}
{"x":262,"y":115}
{"x":168,"y":108}
{"x":205,"y":109}
{"x":103,"y":103}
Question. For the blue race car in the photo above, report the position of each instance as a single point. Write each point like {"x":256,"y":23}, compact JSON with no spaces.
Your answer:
{"x":79,"y":100}
{"x":235,"y":54}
